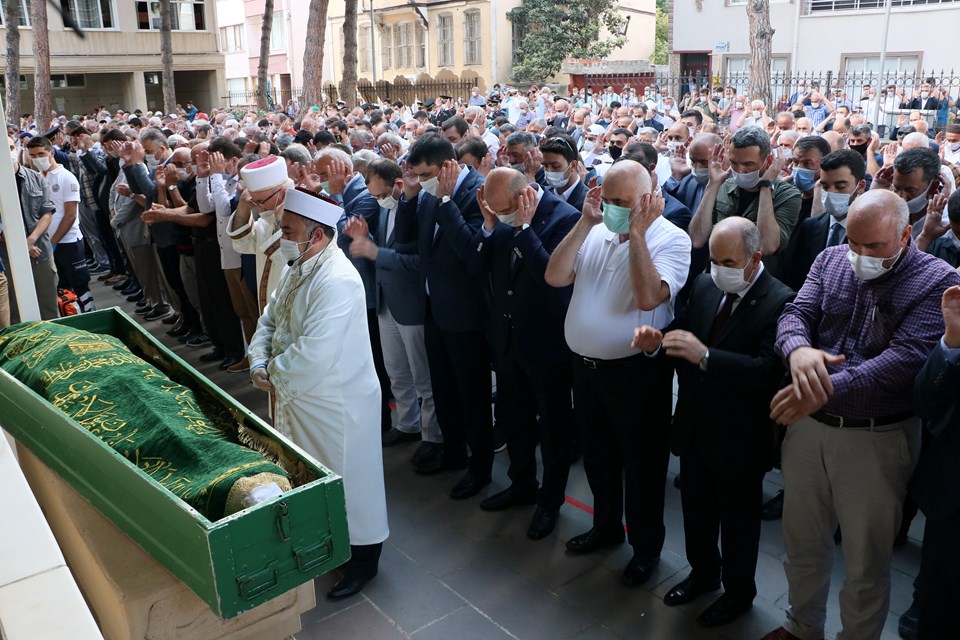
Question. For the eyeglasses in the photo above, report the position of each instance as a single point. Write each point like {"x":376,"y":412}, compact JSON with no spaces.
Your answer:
{"x":260,"y":203}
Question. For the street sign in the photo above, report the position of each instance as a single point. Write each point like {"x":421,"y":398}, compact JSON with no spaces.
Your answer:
{"x":722,"y":47}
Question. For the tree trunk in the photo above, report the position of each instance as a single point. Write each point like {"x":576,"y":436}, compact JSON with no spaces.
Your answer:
{"x":43,"y":102}
{"x":313,"y":55}
{"x":348,"y":87}
{"x":761,"y":42}
{"x":266,"y":27}
{"x":166,"y":58}
{"x":11,"y":9}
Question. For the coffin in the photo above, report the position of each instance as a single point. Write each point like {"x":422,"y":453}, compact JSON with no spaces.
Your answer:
{"x":233,"y":564}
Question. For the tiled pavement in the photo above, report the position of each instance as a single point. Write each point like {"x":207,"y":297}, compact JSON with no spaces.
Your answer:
{"x":452,"y":571}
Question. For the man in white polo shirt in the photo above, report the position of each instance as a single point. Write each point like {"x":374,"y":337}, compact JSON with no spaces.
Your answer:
{"x":627,"y":270}
{"x":65,"y":235}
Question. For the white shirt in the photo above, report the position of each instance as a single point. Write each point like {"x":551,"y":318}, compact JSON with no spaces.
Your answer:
{"x":64,"y":188}
{"x":602,"y":313}
{"x":216,"y":193}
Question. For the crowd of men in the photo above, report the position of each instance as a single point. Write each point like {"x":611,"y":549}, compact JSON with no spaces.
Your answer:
{"x":794,"y":273}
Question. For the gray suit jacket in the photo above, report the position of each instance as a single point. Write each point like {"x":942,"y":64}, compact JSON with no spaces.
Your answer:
{"x":398,"y":275}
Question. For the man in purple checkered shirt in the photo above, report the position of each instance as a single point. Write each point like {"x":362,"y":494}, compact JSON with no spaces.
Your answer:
{"x":854,"y":339}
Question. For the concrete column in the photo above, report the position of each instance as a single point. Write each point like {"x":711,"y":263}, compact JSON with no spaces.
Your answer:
{"x":134,"y":91}
{"x":217,"y":90}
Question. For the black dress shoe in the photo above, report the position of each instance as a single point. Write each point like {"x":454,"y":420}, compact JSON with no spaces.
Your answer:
{"x":509,"y":497}
{"x":395,"y":436}
{"x":469,"y":486}
{"x":593,"y":540}
{"x":639,"y":570}
{"x":123,"y":285}
{"x":688,"y":590}
{"x":349,"y":585}
{"x":426,"y":451}
{"x":773,"y":508}
{"x":440,"y":463}
{"x":725,"y":610}
{"x":909,"y":625}
{"x":135,"y":297}
{"x":229,"y":361}
{"x":543,"y":523}
{"x":212,"y":356}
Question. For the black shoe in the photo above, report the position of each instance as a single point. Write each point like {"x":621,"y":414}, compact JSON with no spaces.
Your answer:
{"x":426,"y":451}
{"x":136,"y":296}
{"x":773,"y":508}
{"x":593,"y":540}
{"x":349,"y":585}
{"x":197,"y":340}
{"x":676,"y":481}
{"x":160,"y":312}
{"x":543,"y":523}
{"x":178,"y":330}
{"x":509,"y":497}
{"x":229,"y":361}
{"x":469,"y":486}
{"x":639,"y":570}
{"x":441,"y":463}
{"x":395,"y":436}
{"x":142,"y":302}
{"x":909,"y":625}
{"x":144,"y":309}
{"x":725,"y":610}
{"x":212,"y":356}
{"x":123,"y":286}
{"x":688,"y":590}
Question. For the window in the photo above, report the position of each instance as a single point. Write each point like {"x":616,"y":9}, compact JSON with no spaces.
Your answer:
{"x":68,"y":81}
{"x":471,"y":37}
{"x":518,"y":29}
{"x":421,"y":46}
{"x":900,"y":69}
{"x":278,"y":37}
{"x":738,"y":71}
{"x":237,"y":91}
{"x":386,"y":47}
{"x":363,"y":49}
{"x":24,"y":14}
{"x":826,"y":6}
{"x":403,"y":36}
{"x":151,"y":78}
{"x":23,"y":83}
{"x":445,"y":40}
{"x":231,"y":38}
{"x":90,"y":14}
{"x":187,"y":15}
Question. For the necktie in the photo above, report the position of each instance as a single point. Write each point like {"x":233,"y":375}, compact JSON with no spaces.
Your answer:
{"x":836,"y":234}
{"x":726,"y":309}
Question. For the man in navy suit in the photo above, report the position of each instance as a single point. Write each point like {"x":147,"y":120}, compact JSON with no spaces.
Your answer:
{"x":936,"y":482}
{"x":335,"y":169}
{"x":561,"y":164}
{"x":399,"y":299}
{"x":442,"y":222}
{"x":522,"y":225}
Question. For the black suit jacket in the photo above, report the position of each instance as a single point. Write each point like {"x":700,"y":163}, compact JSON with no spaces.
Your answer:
{"x":723,"y":414}
{"x":456,"y":297}
{"x":520,"y":295}
{"x":806,"y":244}
{"x":917,"y":103}
{"x":936,"y":481}
{"x":685,"y":191}
{"x":578,"y":195}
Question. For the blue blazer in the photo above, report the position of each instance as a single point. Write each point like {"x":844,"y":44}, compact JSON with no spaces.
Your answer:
{"x":360,"y":203}
{"x":522,"y":301}
{"x":675,"y":211}
{"x":456,"y":297}
{"x":578,"y":196}
{"x":936,"y":481}
{"x":688,"y":191}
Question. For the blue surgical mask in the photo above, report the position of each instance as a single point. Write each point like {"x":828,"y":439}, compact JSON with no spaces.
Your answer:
{"x":325,"y":185}
{"x":804,"y":179}
{"x":616,"y":218}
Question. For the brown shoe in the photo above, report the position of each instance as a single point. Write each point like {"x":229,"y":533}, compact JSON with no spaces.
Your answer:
{"x":780,"y":634}
{"x":174,"y":319}
{"x":115,"y":279}
{"x":240,"y":367}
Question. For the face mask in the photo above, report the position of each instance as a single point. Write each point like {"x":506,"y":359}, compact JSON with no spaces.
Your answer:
{"x":614,"y":151}
{"x":738,"y":105}
{"x":953,"y":146}
{"x":519,"y":166}
{"x":388,"y":202}
{"x":673,"y":145}
{"x":290,"y":250}
{"x":702,"y":176}
{"x":588,"y":145}
{"x":14,"y":156}
{"x":508,"y":219}
{"x":804,"y":179}
{"x":757,"y":114}
{"x":183,"y":174}
{"x":616,"y":219}
{"x":814,"y":103}
{"x":746,"y":180}
{"x":918,"y":204}
{"x":325,"y":185}
{"x":785,"y":153}
{"x":408,"y":135}
{"x":924,"y":94}
{"x":556,"y":179}
{"x":836,"y":204}
{"x":41,"y":164}
{"x":431,"y":185}
{"x":728,"y":279}
{"x":860,"y":148}
{"x":868,"y":267}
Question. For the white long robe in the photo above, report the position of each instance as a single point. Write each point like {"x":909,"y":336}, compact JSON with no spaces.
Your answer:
{"x":314,"y":336}
{"x":261,"y":237}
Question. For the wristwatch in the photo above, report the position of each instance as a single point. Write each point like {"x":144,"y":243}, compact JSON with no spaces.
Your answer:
{"x":704,"y":361}
{"x":444,"y":199}
{"x":526,"y":225}
{"x":765,"y":183}
{"x":172,"y":187}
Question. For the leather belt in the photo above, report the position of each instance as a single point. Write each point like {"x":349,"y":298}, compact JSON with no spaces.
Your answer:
{"x":596,"y":363}
{"x":840,"y":422}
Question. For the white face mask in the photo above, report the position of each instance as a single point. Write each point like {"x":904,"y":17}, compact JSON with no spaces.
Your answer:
{"x":183,"y":174}
{"x":785,"y":153}
{"x":41,"y":164}
{"x":757,"y":114}
{"x":673,"y":145}
{"x":836,"y":204}
{"x":728,"y":279}
{"x":14,"y":156}
{"x":389,"y":202}
{"x":702,"y":176}
{"x":431,"y":185}
{"x":918,"y":204}
{"x":508,"y":219}
{"x":746,"y":180}
{"x":588,"y":145}
{"x":555,"y":179}
{"x":953,"y":146}
{"x":290,"y":250}
{"x":924,"y":94}
{"x":868,"y":267}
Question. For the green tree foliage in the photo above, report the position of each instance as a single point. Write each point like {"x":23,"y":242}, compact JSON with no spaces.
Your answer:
{"x":661,"y":47}
{"x":556,"y":30}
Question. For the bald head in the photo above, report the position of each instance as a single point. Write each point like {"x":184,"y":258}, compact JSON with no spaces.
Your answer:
{"x":878,"y":224}
{"x":834,"y":139}
{"x":502,"y":190}
{"x":735,"y":236}
{"x":625,"y":183}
